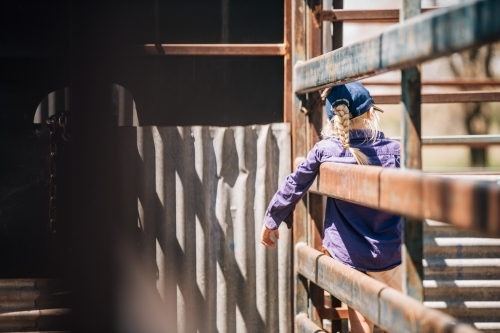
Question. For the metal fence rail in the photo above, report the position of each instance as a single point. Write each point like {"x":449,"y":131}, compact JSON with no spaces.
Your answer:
{"x":363,"y":15}
{"x":414,"y":194}
{"x":463,"y":203}
{"x":444,"y":97}
{"x":460,"y":140}
{"x":304,"y":324}
{"x":470,"y":81}
{"x":385,"y":306}
{"x":485,"y":140}
{"x":433,"y":35}
{"x":213,"y":49}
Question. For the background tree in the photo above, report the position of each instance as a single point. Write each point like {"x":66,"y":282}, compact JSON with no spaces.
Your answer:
{"x":475,"y":63}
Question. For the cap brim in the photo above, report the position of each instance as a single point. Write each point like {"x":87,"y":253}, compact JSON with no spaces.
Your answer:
{"x":377,"y":108}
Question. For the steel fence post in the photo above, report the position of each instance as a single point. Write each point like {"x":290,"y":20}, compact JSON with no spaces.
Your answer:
{"x":299,"y":149}
{"x":412,"y":159}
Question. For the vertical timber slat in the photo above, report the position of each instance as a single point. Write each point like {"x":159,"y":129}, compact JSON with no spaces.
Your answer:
{"x":411,"y":157}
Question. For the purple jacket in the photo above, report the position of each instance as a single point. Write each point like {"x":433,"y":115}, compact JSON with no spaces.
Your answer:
{"x":363,"y":238}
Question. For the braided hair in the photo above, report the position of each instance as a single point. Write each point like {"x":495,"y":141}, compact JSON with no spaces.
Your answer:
{"x":341,"y":123}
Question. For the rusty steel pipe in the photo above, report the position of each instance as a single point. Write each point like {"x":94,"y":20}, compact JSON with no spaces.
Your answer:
{"x":364,"y":15}
{"x":306,"y":325}
{"x":444,"y":97}
{"x":433,"y":34}
{"x":36,"y":284}
{"x":388,"y":308}
{"x":450,"y":82}
{"x":460,"y":140}
{"x":211,"y":49}
{"x":22,"y":295}
{"x":31,"y":294}
{"x":38,"y":303}
{"x":43,"y":320}
{"x":352,"y":287}
{"x":464,"y":203}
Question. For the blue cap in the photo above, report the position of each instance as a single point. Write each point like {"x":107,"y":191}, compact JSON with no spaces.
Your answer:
{"x":354,"y":95}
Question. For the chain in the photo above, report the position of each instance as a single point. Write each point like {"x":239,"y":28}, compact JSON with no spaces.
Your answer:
{"x":63,"y":121}
{"x":52,"y":123}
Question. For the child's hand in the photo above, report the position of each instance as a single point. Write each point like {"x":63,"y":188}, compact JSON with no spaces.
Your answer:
{"x":265,"y":237}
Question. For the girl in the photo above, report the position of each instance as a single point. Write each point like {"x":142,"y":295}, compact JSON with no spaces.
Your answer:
{"x":363,"y":238}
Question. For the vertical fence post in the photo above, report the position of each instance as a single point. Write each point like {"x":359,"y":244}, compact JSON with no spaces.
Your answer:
{"x":315,"y":123}
{"x":326,"y":29}
{"x":288,"y":65}
{"x":412,"y":159}
{"x":336,"y":33}
{"x":299,"y":149}
{"x":288,"y":117}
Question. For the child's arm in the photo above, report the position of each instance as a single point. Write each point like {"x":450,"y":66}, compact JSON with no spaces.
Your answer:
{"x":290,"y":192}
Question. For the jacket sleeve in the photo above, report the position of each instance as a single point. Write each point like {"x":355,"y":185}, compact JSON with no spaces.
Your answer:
{"x":293,"y":188}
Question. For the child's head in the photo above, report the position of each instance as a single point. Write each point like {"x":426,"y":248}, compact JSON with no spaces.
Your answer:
{"x":348,"y":107}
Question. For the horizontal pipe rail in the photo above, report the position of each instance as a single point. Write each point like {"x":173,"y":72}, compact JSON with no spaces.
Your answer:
{"x":306,"y":325}
{"x":42,"y":302}
{"x":388,"y":308}
{"x":40,"y":320}
{"x":8,"y":285}
{"x":464,"y":203}
{"x":450,"y":82}
{"x":444,"y":97}
{"x":460,"y":140}
{"x":364,"y":15}
{"x":471,"y":173}
{"x":212,"y":49}
{"x":433,"y":34}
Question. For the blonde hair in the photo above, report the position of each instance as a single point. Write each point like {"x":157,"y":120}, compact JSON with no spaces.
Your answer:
{"x":341,"y":124}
